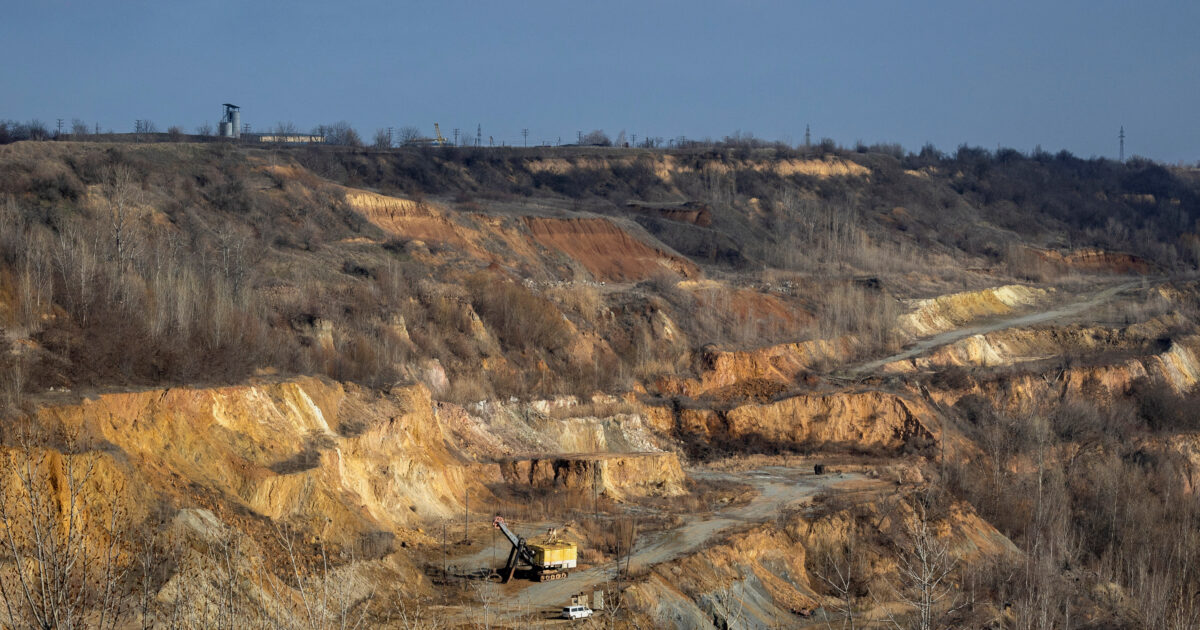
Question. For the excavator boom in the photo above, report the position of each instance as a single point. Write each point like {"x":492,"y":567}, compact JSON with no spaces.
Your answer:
{"x":549,"y":561}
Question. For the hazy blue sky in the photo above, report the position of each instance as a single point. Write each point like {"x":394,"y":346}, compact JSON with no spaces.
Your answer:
{"x":1016,"y":73}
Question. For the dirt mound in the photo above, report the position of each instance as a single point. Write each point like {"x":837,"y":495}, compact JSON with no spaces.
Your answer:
{"x":613,"y":475}
{"x":605,"y":250}
{"x":947,"y":312}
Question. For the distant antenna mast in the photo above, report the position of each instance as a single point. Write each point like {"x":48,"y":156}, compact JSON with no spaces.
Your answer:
{"x":1122,"y":137}
{"x":478,"y":134}
{"x":807,"y":136}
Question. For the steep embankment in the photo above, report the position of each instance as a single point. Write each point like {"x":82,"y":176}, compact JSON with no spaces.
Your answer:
{"x":611,"y":475}
{"x":307,"y":451}
{"x":857,"y":419}
{"x":606,"y":251}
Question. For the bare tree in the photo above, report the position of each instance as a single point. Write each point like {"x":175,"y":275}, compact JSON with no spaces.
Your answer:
{"x":487,"y":595}
{"x":339,"y":133}
{"x":79,"y":128}
{"x":409,"y":135}
{"x":414,"y":615}
{"x":925,"y":571}
{"x":286,"y":129}
{"x":76,"y":262}
{"x":205,"y":129}
{"x":65,"y":557}
{"x":328,"y":601}
{"x":16,"y":377}
{"x":596,"y":138}
{"x":383,"y":139}
{"x":731,"y":603}
{"x":839,"y":576}
{"x":124,"y":194}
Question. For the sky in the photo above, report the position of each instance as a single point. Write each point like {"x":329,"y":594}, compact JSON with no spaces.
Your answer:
{"x":1021,"y":74}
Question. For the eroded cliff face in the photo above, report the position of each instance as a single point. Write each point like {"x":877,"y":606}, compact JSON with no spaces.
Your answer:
{"x":869,"y":419}
{"x":605,"y":250}
{"x":306,"y":450}
{"x":615,"y":476}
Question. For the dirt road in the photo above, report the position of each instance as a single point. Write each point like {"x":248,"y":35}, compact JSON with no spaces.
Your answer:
{"x":778,"y":489}
{"x":925,"y":345}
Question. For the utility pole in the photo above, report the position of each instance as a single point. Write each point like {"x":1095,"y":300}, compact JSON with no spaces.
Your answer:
{"x":634,"y":137}
{"x":456,"y":136}
{"x":525,"y":135}
{"x":1122,"y":137}
{"x":807,"y":137}
{"x":59,"y":127}
{"x":578,"y":137}
{"x":478,"y":135}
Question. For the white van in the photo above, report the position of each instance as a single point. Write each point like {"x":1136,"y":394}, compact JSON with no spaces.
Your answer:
{"x":576,"y":612}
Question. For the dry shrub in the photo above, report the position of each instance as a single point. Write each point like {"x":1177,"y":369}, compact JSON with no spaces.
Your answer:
{"x":581,"y":299}
{"x":520,"y":318}
{"x":849,"y":309}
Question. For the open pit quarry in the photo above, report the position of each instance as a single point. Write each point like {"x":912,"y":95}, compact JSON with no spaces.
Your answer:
{"x":294,"y":388}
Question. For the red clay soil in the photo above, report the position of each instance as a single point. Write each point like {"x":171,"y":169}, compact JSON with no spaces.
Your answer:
{"x":607,"y":251}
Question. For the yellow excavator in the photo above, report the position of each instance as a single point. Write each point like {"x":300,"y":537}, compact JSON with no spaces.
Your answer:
{"x":438,"y":140}
{"x":547,"y":560}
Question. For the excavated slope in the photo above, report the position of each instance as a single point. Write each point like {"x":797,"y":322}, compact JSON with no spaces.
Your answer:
{"x":1010,"y":346}
{"x":605,"y":250}
{"x":1178,"y":367}
{"x":781,"y":364}
{"x":305,"y":450}
{"x":1096,"y":261}
{"x":947,"y":312}
{"x":867,"y":419}
{"x":407,"y":218}
{"x":612,"y":475}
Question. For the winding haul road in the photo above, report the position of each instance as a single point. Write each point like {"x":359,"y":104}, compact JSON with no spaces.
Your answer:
{"x":779,"y":488}
{"x":929,"y":343}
